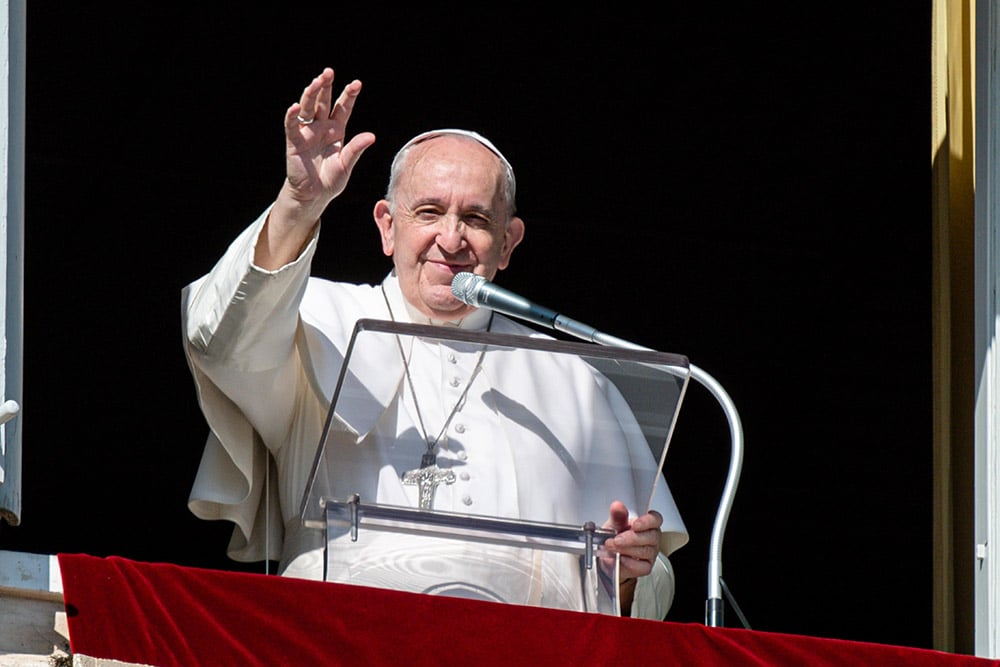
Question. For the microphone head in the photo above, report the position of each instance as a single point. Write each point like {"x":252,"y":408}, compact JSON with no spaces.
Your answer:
{"x":465,"y":286}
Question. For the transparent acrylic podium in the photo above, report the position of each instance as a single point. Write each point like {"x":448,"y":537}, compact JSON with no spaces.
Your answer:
{"x":535,"y":438}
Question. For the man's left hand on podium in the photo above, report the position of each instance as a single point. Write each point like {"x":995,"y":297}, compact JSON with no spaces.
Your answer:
{"x":637,"y":545}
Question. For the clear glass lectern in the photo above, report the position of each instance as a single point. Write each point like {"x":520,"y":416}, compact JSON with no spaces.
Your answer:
{"x":482,"y":464}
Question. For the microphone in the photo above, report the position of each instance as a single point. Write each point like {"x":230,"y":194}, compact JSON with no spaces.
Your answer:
{"x":474,"y":290}
{"x":477,"y":291}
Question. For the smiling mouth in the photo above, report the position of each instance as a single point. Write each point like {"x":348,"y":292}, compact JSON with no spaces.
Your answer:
{"x":451,"y":268}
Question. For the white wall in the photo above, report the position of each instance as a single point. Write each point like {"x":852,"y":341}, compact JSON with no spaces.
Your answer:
{"x":987,"y":427}
{"x":12,"y":109}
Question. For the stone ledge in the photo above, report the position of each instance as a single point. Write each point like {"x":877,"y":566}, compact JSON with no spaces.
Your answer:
{"x":33,"y":629}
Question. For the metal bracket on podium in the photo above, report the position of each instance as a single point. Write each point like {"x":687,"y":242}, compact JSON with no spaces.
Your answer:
{"x":585,"y":540}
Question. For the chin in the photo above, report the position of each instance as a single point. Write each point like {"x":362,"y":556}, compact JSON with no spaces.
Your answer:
{"x":447,"y":312}
{"x":441,"y":304}
{"x":450,"y":315}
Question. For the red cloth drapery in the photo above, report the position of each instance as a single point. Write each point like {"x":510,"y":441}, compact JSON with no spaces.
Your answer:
{"x":172,"y":616}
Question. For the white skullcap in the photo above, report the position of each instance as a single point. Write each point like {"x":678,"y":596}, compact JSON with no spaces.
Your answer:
{"x":465,"y":133}
{"x":424,"y":136}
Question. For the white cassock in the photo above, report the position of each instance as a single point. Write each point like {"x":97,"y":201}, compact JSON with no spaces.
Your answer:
{"x":266,"y":349}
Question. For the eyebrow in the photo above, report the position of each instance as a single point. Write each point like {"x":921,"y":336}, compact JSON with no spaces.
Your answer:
{"x":475,"y":208}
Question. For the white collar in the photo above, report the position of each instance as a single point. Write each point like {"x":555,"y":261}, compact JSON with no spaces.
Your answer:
{"x":370,"y":388}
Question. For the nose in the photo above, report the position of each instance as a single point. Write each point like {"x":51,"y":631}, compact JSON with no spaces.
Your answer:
{"x":451,"y":234}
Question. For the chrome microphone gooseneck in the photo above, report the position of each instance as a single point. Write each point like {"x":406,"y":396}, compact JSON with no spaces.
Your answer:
{"x":477,"y":291}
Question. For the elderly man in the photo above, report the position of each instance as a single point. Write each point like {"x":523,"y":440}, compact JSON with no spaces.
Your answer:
{"x":264,"y":340}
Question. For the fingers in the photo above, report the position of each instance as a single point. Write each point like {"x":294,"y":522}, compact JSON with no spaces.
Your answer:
{"x":652,"y":520}
{"x":341,"y":111}
{"x":316,"y":98}
{"x":352,"y":151}
{"x":636,"y":553}
{"x":637,"y":544}
{"x":325,"y":81}
{"x":631,"y":567}
{"x":634,"y":560}
{"x":617,"y":517}
{"x":316,"y":106}
{"x":292,"y":124}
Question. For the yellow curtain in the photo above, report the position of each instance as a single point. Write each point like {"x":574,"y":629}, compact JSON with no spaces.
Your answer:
{"x":953,"y":192}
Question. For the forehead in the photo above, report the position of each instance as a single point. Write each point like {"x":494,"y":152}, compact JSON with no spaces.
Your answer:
{"x":452,"y":166}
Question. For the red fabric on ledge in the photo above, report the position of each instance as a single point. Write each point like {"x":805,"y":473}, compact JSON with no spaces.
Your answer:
{"x":172,"y":616}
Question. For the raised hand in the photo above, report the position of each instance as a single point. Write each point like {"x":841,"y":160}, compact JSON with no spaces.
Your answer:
{"x":319,"y":159}
{"x":318,"y":164}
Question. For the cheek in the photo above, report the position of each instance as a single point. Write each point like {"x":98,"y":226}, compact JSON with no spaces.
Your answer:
{"x":415,"y":241}
{"x":487,"y":248}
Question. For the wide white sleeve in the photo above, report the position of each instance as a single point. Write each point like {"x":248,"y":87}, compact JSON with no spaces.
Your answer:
{"x":240,"y":326}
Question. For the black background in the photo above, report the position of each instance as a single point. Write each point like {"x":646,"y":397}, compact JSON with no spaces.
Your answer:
{"x":746,"y":186}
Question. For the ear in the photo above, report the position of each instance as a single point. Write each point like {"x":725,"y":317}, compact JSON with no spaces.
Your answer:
{"x":511,"y":238}
{"x":383,"y":220}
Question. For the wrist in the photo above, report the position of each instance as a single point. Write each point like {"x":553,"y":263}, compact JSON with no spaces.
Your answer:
{"x":626,"y":593}
{"x":285,"y":234}
{"x":294,"y":210}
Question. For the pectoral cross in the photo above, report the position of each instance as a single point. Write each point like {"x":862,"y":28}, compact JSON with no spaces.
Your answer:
{"x":427,"y":478}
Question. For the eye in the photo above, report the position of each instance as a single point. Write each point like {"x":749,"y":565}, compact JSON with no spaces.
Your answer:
{"x":426,"y":214}
{"x":478,"y":221}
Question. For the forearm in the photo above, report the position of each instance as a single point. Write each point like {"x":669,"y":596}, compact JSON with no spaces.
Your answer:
{"x":242,"y":315}
{"x":288,"y":229}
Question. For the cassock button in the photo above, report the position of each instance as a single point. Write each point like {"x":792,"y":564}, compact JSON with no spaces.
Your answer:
{"x":464,"y":476}
{"x":460,"y":428}
{"x":454,"y":382}
{"x":452,"y":358}
{"x":462,"y":454}
{"x":467,"y":499}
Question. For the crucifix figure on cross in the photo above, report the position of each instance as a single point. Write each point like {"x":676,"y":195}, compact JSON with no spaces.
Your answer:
{"x":427,"y":478}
